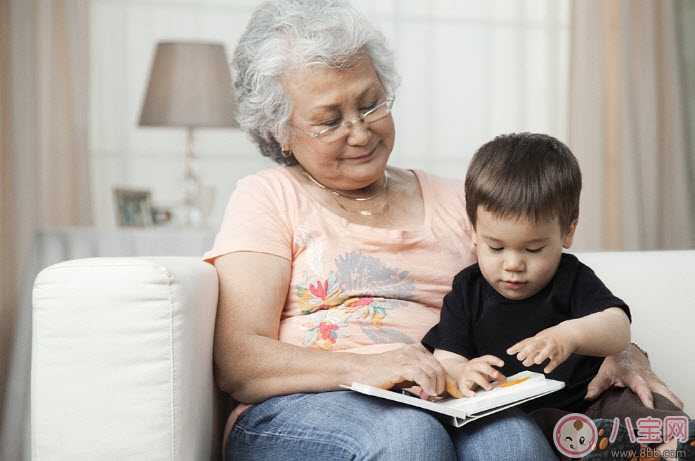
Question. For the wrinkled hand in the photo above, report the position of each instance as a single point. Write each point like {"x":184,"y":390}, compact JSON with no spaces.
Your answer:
{"x":631,"y":369}
{"x":477,"y":372}
{"x":403,"y":368}
{"x":547,"y":344}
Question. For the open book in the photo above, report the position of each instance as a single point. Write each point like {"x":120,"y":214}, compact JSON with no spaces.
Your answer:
{"x":518,"y":388}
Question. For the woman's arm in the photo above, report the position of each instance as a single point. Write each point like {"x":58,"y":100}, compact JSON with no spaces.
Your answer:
{"x":253,"y":365}
{"x":630,"y":368}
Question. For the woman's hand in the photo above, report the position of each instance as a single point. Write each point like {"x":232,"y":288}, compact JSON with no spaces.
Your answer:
{"x":404,"y":367}
{"x":630,"y":368}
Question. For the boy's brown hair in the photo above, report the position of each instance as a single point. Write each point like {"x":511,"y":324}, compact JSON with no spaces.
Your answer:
{"x":524,"y":174}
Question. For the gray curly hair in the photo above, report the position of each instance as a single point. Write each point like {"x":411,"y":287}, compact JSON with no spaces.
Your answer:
{"x":284,"y":36}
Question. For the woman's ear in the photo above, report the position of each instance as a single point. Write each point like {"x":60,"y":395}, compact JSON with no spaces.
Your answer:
{"x":569,"y":235}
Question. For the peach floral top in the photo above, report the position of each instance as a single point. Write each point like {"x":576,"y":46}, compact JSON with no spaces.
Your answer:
{"x":353,"y":287}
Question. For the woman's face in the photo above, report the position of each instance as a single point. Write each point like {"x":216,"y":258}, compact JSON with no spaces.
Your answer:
{"x":325,"y":96}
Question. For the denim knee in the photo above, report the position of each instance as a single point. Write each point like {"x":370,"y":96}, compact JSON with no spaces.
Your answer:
{"x":337,"y":426}
{"x":351,"y":426}
{"x":404,"y":433}
{"x":509,"y":435}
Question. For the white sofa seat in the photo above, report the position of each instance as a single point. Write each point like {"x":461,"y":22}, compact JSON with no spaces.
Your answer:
{"x":122,"y":350}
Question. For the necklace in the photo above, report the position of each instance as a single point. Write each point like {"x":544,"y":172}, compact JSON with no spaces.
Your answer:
{"x":335,"y":194}
{"x":383,"y":211}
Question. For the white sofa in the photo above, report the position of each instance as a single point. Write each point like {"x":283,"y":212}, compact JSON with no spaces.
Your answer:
{"x":122,"y":350}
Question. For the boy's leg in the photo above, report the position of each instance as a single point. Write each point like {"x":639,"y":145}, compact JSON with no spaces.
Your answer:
{"x":547,"y":419}
{"x":622,"y":404}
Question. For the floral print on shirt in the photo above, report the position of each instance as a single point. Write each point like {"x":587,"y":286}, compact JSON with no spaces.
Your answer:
{"x":328,"y":309}
{"x":319,"y":295}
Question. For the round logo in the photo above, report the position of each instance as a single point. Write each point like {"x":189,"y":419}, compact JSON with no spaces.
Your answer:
{"x":575,"y":435}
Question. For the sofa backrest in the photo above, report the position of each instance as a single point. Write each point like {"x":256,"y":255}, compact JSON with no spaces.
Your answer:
{"x":659,"y":287}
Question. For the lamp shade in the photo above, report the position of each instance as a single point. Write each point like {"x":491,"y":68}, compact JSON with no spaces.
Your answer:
{"x":190,"y":86}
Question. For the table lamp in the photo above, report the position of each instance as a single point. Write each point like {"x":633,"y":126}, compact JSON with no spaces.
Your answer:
{"x":190,"y":86}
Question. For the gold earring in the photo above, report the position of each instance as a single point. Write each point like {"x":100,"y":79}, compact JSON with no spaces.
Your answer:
{"x":286,"y":153}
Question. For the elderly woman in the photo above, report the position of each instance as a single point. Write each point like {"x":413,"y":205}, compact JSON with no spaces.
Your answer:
{"x":333,"y":265}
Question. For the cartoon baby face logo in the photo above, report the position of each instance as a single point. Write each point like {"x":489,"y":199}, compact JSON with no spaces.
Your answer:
{"x":575,"y":434}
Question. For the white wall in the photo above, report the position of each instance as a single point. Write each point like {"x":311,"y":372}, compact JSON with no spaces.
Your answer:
{"x":471,"y":69}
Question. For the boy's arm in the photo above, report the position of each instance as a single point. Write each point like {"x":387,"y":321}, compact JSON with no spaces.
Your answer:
{"x":601,"y":334}
{"x":464,"y":375}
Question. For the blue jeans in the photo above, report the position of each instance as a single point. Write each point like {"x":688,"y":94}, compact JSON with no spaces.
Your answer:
{"x":346,"y":425}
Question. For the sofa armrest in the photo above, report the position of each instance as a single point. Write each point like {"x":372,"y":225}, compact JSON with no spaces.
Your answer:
{"x":122,"y":360}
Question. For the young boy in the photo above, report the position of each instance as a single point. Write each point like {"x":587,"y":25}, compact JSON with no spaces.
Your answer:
{"x":526,"y":304}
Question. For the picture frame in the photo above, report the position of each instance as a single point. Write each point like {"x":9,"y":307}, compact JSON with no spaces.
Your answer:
{"x":133,"y":207}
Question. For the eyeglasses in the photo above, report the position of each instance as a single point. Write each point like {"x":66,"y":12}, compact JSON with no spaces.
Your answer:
{"x":334,"y":132}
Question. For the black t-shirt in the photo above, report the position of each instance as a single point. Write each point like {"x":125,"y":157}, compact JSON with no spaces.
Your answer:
{"x":476,"y":320}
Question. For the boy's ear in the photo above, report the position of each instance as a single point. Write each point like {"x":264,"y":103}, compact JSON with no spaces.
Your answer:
{"x":569,"y":235}
{"x":474,"y":237}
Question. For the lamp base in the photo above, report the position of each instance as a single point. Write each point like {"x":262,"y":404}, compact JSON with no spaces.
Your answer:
{"x":196,"y":214}
{"x":192,"y":215}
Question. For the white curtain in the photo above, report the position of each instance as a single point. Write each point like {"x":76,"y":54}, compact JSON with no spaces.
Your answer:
{"x":627,"y":126}
{"x":44,"y":104}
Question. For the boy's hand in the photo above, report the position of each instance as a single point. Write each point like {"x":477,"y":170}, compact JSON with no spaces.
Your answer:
{"x":547,"y":344}
{"x":476,"y":373}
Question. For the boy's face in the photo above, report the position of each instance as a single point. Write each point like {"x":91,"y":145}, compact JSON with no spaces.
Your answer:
{"x":517,"y":256}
